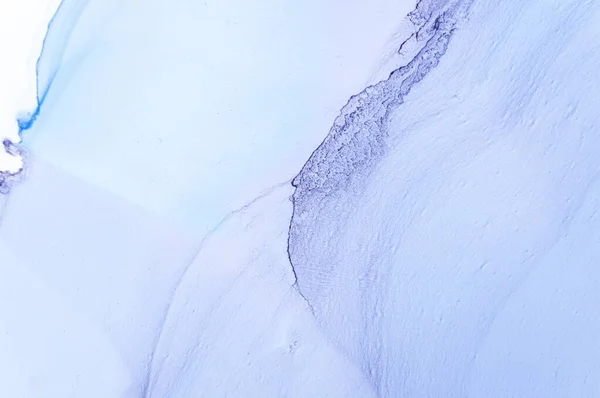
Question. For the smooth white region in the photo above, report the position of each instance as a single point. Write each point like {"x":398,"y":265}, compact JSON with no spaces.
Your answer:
{"x":23,"y":25}
{"x":47,"y":349}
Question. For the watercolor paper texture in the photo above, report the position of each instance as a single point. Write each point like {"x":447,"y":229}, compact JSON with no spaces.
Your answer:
{"x":318,"y":199}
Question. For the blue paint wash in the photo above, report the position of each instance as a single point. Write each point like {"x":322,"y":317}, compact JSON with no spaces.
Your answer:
{"x":48,"y":64}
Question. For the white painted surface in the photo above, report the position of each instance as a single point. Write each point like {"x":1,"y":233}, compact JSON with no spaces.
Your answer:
{"x":22,"y":28}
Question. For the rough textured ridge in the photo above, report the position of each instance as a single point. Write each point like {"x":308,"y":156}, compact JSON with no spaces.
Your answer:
{"x":358,"y":136}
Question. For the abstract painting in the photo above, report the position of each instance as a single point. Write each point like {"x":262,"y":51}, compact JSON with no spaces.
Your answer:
{"x":269,"y":198}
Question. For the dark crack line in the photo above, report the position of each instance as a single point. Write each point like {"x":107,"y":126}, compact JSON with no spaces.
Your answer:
{"x":289,"y":256}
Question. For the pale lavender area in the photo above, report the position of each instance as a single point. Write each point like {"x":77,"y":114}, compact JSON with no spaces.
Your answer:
{"x":278,"y":199}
